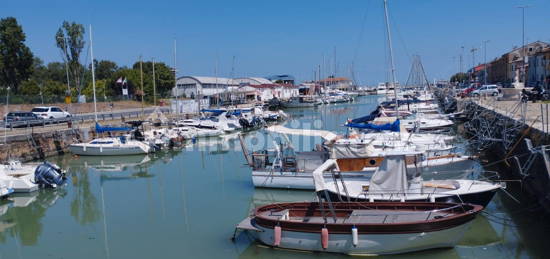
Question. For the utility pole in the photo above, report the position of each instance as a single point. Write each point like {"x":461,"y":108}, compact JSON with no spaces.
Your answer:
{"x":67,"y":65}
{"x":485,"y":75}
{"x":154,"y":85}
{"x":461,"y":59}
{"x":523,"y":41}
{"x":473,"y":50}
{"x":176,"y":81}
{"x":141,"y":76}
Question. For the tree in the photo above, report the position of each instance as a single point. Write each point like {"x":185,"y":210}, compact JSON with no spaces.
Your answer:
{"x":459,"y":77}
{"x":104,"y":69}
{"x":70,"y":40}
{"x":16,"y":59}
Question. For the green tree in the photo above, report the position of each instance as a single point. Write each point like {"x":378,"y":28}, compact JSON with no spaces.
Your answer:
{"x":104,"y":69}
{"x":70,"y":39}
{"x":16,"y":59}
{"x":459,"y":77}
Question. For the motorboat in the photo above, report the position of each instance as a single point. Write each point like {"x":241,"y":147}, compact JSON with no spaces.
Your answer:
{"x":19,"y":177}
{"x":360,"y":228}
{"x":391,"y":182}
{"x":300,"y":102}
{"x":288,"y":170}
{"x":111,"y":146}
{"x":30,"y":177}
{"x":5,"y":190}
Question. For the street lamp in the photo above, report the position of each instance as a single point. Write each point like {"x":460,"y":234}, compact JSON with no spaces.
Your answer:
{"x":523,"y":39}
{"x":485,"y":60}
{"x":66,"y":62}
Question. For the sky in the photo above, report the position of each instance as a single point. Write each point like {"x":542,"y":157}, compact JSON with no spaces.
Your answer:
{"x":261,"y":38}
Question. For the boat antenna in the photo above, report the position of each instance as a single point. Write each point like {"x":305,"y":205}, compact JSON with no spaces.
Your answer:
{"x":392,"y":65}
{"x":93,"y":72}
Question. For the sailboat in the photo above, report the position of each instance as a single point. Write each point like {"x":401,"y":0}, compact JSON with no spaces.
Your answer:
{"x":108,"y":146}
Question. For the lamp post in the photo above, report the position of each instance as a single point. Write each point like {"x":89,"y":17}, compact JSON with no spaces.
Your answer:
{"x":485,"y":61}
{"x":522,"y":7}
{"x":66,"y":63}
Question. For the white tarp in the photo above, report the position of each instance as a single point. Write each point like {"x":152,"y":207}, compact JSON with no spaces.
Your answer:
{"x":391,"y":176}
{"x":318,"y":178}
{"x":348,"y":150}
{"x":325,"y":134}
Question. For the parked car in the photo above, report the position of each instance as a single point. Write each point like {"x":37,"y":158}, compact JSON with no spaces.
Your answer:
{"x":487,"y":90}
{"x":467,"y":91}
{"x":21,"y":119}
{"x":50,"y":112}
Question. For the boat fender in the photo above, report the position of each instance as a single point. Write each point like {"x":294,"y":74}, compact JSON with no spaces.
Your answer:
{"x":354,"y":236}
{"x":402,"y":199}
{"x":100,"y":149}
{"x":324,"y":237}
{"x":371,"y":199}
{"x":84,"y":147}
{"x":432,"y":198}
{"x":277,"y":236}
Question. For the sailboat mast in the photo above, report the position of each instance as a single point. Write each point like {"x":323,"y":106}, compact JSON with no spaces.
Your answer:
{"x":176,"y":81}
{"x":93,"y":72}
{"x":393,"y":78}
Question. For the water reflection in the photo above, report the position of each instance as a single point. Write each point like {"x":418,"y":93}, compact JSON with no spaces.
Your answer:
{"x":23,"y":213}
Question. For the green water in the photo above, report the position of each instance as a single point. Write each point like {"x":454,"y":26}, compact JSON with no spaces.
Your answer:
{"x":185,"y":204}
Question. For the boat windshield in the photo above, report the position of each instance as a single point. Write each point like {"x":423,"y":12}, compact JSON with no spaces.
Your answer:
{"x":101,"y":142}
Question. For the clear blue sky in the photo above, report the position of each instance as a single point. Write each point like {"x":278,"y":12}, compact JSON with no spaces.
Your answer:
{"x":291,"y":37}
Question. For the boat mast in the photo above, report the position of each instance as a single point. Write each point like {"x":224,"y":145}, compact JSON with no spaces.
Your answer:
{"x":386,"y":16}
{"x":93,"y":73}
{"x":176,"y":81}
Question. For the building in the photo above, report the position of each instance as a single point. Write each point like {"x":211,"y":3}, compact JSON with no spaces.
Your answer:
{"x":539,"y":69}
{"x":514,"y":66}
{"x":498,"y":71}
{"x":253,"y":81}
{"x":219,"y":90}
{"x":191,"y":86}
{"x":282,"y":79}
{"x":267,"y":92}
{"x":340,"y":83}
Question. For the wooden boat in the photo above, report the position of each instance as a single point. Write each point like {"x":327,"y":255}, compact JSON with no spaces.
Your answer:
{"x":360,"y":228}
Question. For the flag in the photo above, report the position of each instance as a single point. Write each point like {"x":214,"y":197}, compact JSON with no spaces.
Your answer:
{"x":125,"y":83}
{"x":119,"y":81}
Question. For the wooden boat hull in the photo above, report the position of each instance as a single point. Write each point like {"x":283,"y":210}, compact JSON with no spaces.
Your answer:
{"x":369,"y":244}
{"x":357,"y":228}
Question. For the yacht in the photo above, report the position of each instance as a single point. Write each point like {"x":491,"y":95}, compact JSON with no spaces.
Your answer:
{"x":112,"y":146}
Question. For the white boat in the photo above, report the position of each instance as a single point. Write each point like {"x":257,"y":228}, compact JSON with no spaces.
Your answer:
{"x":300,"y":175}
{"x":118,"y":146}
{"x":368,"y":228}
{"x":391,"y":182}
{"x":381,"y":89}
{"x":109,"y":146}
{"x":5,"y":190}
{"x":19,"y":177}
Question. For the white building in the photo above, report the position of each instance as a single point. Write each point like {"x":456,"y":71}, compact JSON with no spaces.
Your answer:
{"x":190,"y":86}
{"x":266,"y":92}
{"x":253,"y":81}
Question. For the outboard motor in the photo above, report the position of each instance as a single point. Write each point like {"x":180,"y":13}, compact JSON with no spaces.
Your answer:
{"x":49,"y":175}
{"x":244,"y":123}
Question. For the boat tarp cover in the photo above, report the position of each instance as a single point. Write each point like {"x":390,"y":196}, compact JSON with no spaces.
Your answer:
{"x":318,"y":178}
{"x":325,"y":134}
{"x":388,"y":126}
{"x":101,"y":129}
{"x":351,"y":150}
{"x":391,"y":176}
{"x":363,"y":119}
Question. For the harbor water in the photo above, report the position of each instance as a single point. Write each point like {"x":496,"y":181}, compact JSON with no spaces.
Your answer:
{"x":186,"y":203}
